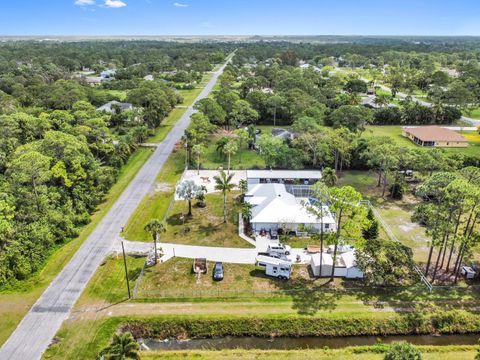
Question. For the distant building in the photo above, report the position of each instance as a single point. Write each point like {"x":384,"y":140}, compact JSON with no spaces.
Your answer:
{"x":110,"y":106}
{"x":148,"y":78}
{"x":434,"y":136}
{"x":93,"y":80}
{"x":284,"y":134}
{"x":289,"y":177}
{"x":108,"y":74}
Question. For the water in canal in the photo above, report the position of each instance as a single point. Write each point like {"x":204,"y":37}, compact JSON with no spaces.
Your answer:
{"x":283,"y":343}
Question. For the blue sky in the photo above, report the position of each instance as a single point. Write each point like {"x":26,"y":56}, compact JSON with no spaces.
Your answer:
{"x":231,"y":17}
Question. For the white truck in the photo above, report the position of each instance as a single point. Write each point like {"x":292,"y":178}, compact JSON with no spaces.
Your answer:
{"x":275,"y":267}
{"x":278,"y":249}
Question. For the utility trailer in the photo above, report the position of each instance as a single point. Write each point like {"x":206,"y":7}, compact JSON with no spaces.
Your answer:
{"x":279,"y":268}
{"x":200,"y":266}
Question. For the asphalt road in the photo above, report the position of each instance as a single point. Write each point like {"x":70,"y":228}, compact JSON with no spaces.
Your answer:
{"x":37,"y":329}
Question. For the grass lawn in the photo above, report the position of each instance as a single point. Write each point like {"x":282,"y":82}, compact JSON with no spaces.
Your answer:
{"x":243,"y":159}
{"x":474,"y":113}
{"x":166,"y":125}
{"x":395,"y":132}
{"x":109,"y":284}
{"x":189,"y":95}
{"x":15,"y":303}
{"x":175,"y":279}
{"x":396,"y":213}
{"x":155,"y":204}
{"x":453,"y":353}
{"x":206,"y":226}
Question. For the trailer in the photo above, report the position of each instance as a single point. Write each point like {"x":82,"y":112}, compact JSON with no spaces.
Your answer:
{"x":200,"y":266}
{"x":279,"y":268}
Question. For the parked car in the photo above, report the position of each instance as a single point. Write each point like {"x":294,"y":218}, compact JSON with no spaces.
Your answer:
{"x":218,"y":271}
{"x":277,"y":248}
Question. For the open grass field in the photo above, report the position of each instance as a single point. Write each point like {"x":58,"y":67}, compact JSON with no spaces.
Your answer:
{"x":206,"y":226}
{"x":395,"y":132}
{"x":155,"y":204}
{"x":474,"y":113}
{"x":14,"y":303}
{"x":396,"y":213}
{"x":451,"y":353}
{"x":189,"y":95}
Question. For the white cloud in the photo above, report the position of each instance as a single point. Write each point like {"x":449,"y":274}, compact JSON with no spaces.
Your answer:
{"x":84,"y":2}
{"x":177,"y":4}
{"x":114,"y":3}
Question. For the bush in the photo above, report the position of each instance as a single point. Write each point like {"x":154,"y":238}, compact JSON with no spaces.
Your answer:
{"x":402,"y":351}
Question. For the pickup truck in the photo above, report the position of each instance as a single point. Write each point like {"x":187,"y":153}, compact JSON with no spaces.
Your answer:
{"x":278,"y":248}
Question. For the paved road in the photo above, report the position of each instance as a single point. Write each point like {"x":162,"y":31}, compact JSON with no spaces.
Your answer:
{"x":37,"y":329}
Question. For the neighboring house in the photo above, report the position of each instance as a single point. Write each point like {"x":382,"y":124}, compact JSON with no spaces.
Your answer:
{"x":93,"y":80}
{"x":283,"y":134}
{"x":370,"y":102}
{"x":302,"y":177}
{"x":110,"y":106}
{"x":148,"y":78}
{"x":434,"y":136}
{"x":345,"y":264}
{"x":108,"y":74}
{"x":274,"y":208}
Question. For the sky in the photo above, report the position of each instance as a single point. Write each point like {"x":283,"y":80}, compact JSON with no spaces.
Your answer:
{"x":239,"y":17}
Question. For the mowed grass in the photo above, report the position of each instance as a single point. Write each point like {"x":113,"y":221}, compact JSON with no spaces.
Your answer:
{"x":109,"y":283}
{"x":189,"y":95}
{"x":205,"y":227}
{"x":428,"y":353}
{"x":395,"y":132}
{"x":175,"y":279}
{"x":167,"y":124}
{"x":243,"y":159}
{"x":396,"y":213}
{"x":155,"y":204}
{"x":15,"y":303}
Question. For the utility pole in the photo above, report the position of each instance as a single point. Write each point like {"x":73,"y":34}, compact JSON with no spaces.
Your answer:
{"x":126,"y":271}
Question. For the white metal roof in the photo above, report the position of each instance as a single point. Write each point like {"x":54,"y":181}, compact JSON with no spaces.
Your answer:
{"x":284,"y":174}
{"x":273,"y":204}
{"x":347,"y":259}
{"x":272,"y":261}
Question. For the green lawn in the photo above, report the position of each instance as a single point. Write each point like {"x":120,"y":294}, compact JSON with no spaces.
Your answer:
{"x":454,"y":353}
{"x":15,"y":303}
{"x":167,"y":124}
{"x":189,"y":95}
{"x":395,"y":132}
{"x":396,"y":213}
{"x":155,"y":204}
{"x":206,"y":226}
{"x":243,"y":159}
{"x":109,"y":283}
{"x":474,"y":113}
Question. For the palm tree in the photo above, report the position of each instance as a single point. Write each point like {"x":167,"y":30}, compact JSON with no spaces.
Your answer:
{"x":329,"y":177}
{"x":123,"y":346}
{"x":155,"y":227}
{"x":223,"y":182}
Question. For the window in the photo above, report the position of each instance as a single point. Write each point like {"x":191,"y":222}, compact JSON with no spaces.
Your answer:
{"x":327,"y":226}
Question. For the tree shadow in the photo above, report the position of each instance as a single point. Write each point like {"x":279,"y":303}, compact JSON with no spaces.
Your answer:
{"x":207,"y":230}
{"x":177,"y":219}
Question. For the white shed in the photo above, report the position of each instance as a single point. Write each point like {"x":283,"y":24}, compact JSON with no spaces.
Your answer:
{"x":345,"y":265}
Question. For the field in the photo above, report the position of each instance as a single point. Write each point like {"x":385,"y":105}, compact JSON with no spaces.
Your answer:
{"x":395,"y":132}
{"x":396,"y":213}
{"x":205,"y":227}
{"x":15,"y":303}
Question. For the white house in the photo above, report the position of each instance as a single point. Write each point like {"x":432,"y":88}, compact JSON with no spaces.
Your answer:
{"x":109,"y":106}
{"x":345,"y":266}
{"x":274,"y":208}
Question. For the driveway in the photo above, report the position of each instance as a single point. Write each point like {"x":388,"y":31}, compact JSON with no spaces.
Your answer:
{"x":37,"y":329}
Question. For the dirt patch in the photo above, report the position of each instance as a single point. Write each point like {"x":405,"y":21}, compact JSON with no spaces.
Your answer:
{"x":163,"y":187}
